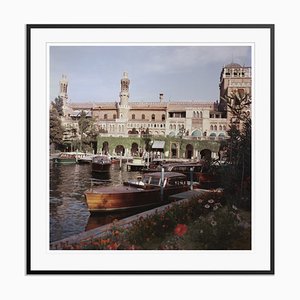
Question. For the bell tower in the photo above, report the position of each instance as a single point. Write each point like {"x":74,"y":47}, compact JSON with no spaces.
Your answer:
{"x":123,"y":107}
{"x":63,"y":87}
{"x":63,"y":93}
{"x":124,"y":94}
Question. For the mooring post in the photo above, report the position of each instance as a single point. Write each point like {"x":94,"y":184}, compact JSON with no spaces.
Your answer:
{"x":147,"y":159}
{"x":191,"y":177}
{"x":120,"y":161}
{"x":162,"y":178}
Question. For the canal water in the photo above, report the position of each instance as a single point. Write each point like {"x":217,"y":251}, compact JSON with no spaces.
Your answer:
{"x":68,"y":210}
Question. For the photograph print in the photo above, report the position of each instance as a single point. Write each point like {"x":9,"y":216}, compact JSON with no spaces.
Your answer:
{"x":150,"y":150}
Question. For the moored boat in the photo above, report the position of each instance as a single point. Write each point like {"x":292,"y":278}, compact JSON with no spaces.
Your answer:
{"x":137,"y":164}
{"x":86,"y":159}
{"x":68,"y":157}
{"x":101,"y":163}
{"x":152,"y":190}
{"x":197,"y":172}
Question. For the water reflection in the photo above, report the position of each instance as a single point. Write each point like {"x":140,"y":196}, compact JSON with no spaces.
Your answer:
{"x":68,"y":210}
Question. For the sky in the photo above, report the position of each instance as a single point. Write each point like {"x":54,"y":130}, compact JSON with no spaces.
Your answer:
{"x":179,"y":72}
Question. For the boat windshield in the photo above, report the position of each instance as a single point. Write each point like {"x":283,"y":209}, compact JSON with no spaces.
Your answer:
{"x":151,"y":180}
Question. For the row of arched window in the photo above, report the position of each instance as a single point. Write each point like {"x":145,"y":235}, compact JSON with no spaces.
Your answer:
{"x":197,"y":114}
{"x":163,"y":117}
{"x":173,"y":126}
{"x":215,"y":127}
{"x":132,"y":125}
{"x":133,"y":117}
{"x":105,"y":117}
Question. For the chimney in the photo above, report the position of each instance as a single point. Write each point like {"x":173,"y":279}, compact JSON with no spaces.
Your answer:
{"x":161,"y":97}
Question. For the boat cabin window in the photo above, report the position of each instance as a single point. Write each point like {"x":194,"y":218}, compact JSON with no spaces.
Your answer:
{"x":155,"y":180}
{"x":151,"y":180}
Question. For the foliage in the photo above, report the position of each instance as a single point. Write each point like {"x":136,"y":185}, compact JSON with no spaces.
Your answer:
{"x":87,"y":130}
{"x":58,"y":105}
{"x":102,"y":130}
{"x":238,"y":104}
{"x":147,"y":141}
{"x":203,"y":223}
{"x":236,"y":174}
{"x":56,"y":128}
{"x":134,"y":131}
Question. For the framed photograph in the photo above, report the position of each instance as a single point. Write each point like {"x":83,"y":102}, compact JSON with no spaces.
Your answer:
{"x":150,"y":149}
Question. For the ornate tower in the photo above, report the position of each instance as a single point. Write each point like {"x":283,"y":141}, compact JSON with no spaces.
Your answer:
{"x":123,"y":107}
{"x":63,"y":92}
{"x":124,"y":94}
{"x":63,"y":87}
{"x":234,"y":80}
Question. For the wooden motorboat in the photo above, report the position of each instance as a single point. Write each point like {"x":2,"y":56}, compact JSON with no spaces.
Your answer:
{"x":154,"y":166}
{"x":185,"y":168}
{"x":86,"y":159}
{"x":152,"y":190}
{"x":199,"y":172}
{"x":137,"y":164}
{"x":101,"y":163}
{"x":68,"y":157}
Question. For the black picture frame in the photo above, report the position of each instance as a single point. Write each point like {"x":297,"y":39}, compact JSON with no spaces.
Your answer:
{"x":30,"y":185}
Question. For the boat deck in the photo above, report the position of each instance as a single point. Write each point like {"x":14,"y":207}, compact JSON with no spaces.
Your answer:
{"x":114,"y":189}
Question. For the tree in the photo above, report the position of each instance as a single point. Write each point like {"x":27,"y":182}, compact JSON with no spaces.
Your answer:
{"x":238,"y":172}
{"x":56,"y":128}
{"x":181,"y":134}
{"x":87,"y":130}
{"x":146,"y":138}
{"x":58,"y":104}
{"x":238,"y":104}
{"x":134,"y":131}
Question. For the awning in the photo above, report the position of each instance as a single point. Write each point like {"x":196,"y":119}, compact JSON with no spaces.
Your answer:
{"x":158,"y":145}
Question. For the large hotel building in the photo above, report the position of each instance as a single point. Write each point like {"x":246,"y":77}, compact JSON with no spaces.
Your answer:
{"x":195,"y":120}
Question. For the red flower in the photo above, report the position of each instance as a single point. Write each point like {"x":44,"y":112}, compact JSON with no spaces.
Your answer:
{"x":132,"y":247}
{"x":180,"y":229}
{"x":113,"y":246}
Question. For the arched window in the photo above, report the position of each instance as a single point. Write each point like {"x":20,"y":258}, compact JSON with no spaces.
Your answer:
{"x":153,"y":117}
{"x":133,"y":117}
{"x":220,"y":127}
{"x":200,"y":114}
{"x":105,"y":117}
{"x":215,"y":127}
{"x":212,"y":136}
{"x":211,"y":127}
{"x":114,"y":116}
{"x":224,"y":127}
{"x":143,"y":117}
{"x":197,"y":114}
{"x":196,"y":133}
{"x":194,"y":114}
{"x":163,"y":117}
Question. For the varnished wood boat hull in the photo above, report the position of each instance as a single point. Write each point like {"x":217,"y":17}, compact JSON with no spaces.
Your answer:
{"x":127,"y":197}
